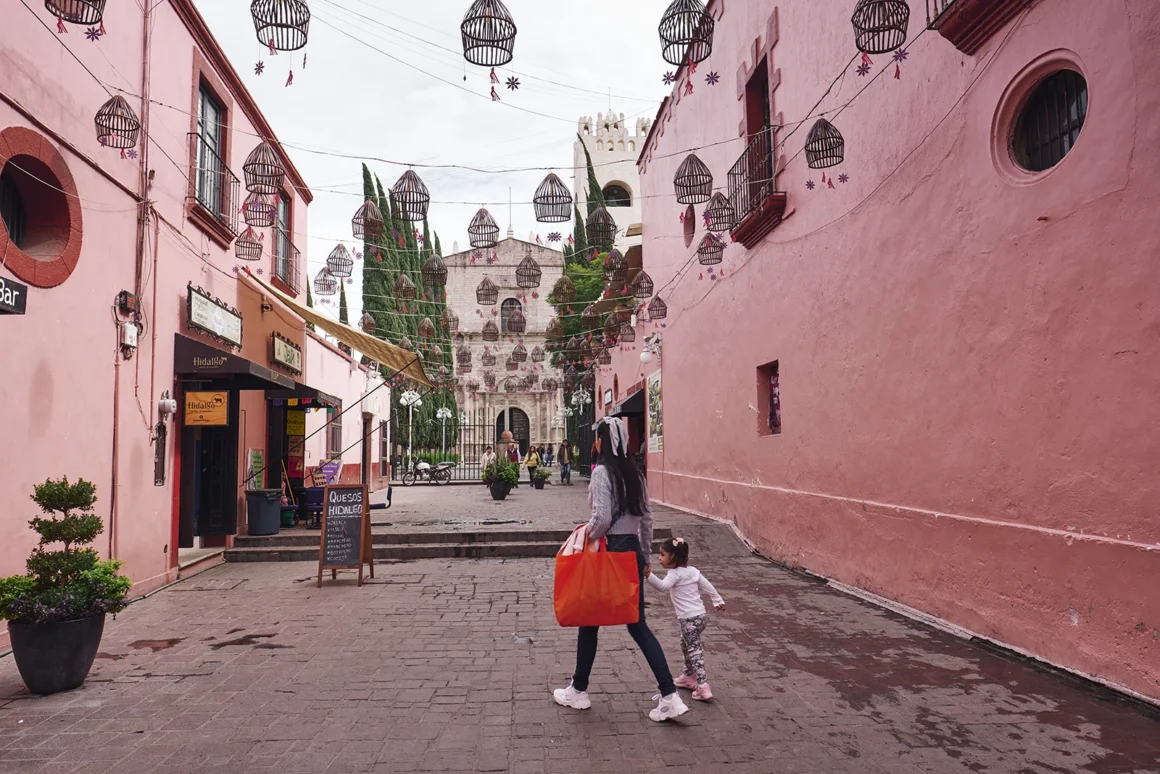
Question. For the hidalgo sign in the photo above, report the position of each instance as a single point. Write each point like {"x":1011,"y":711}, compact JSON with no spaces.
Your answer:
{"x":13,"y":296}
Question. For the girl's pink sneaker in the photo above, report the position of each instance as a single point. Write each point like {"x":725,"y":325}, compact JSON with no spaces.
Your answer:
{"x":703,"y":692}
{"x":686,"y":681}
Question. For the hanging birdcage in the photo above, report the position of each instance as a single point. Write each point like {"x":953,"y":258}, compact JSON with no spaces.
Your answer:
{"x":511,"y":365}
{"x":686,"y":31}
{"x":367,"y":323}
{"x":573,"y":348}
{"x":642,"y":285}
{"x":405,"y":343}
{"x":564,"y":291}
{"x":604,"y":358}
{"x":449,"y":320}
{"x":528,"y":273}
{"x":460,"y":340}
{"x":411,"y":197}
{"x":489,"y":34}
{"x":471,"y":386}
{"x":248,"y":247}
{"x":462,"y":355}
{"x":611,"y":327}
{"x":516,"y":322}
{"x":623,"y":313}
{"x":463,"y":369}
{"x":569,"y":377}
{"x":259,"y":211}
{"x":339,"y":262}
{"x":324,"y":284}
{"x":720,"y":215}
{"x":436,"y":351}
{"x":589,"y":379}
{"x":552,"y":201}
{"x":597,"y":345}
{"x":490,"y":331}
{"x":434,"y":272}
{"x":86,"y":12}
{"x":282,"y":25}
{"x":520,"y":353}
{"x":585,"y":350}
{"x":549,"y":385}
{"x":693,"y":181}
{"x":483,"y":231}
{"x":589,"y":318}
{"x":538,"y":355}
{"x":426,"y":329}
{"x":532,"y":379}
{"x":824,"y":145}
{"x":404,"y":288}
{"x":444,"y":375}
{"x":554,"y":330}
{"x":367,"y":223}
{"x":615,"y":268}
{"x":601,"y":229}
{"x":657,"y":309}
{"x":627,"y":334}
{"x":263,"y":170}
{"x":487,"y":359}
{"x":487,"y":293}
{"x":880,"y":25}
{"x":510,"y":384}
{"x":710,"y":250}
{"x":489,"y":377}
{"x":117,"y":124}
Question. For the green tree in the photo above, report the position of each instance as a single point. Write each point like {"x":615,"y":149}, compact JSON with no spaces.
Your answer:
{"x":579,"y":236}
{"x":309,"y":301}
{"x":595,"y":192}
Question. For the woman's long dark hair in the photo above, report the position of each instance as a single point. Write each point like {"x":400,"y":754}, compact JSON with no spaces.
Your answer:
{"x":627,"y":482}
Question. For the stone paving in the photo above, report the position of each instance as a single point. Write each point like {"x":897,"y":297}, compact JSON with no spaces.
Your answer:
{"x":446,"y":665}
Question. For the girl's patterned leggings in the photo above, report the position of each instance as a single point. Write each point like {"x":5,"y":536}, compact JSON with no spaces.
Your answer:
{"x":691,"y":629}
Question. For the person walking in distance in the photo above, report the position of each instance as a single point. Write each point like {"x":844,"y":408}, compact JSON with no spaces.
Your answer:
{"x":532,"y":463}
{"x":565,"y":460}
{"x":621,"y":512}
{"x":488,"y":459}
{"x":513,"y":455}
{"x":685,"y":585}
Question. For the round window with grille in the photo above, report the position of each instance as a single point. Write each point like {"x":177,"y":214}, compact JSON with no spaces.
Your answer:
{"x":1050,"y":121}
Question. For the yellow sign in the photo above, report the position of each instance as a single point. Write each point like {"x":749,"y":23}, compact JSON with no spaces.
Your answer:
{"x":207,"y":409}
{"x":295,"y":423}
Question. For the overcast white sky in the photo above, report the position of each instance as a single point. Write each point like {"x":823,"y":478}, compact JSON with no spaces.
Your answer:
{"x":351,"y":99}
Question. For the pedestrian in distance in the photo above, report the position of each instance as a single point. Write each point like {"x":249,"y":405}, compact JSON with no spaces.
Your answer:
{"x":547,"y":455}
{"x":513,"y":455}
{"x":621,"y":512}
{"x":685,"y":585}
{"x":532,"y":462}
{"x":565,"y":459}
{"x":488,"y":459}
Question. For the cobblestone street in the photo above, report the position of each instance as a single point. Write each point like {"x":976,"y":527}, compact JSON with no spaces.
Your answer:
{"x":447,"y":665}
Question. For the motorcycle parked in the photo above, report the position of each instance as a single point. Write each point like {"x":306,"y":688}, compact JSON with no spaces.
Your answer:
{"x":439,"y":474}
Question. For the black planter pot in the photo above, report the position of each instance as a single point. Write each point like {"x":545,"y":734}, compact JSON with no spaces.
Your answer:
{"x":538,"y":483}
{"x":499,"y":490}
{"x":55,"y":657}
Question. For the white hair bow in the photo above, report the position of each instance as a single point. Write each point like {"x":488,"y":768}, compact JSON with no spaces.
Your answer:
{"x":618,"y":434}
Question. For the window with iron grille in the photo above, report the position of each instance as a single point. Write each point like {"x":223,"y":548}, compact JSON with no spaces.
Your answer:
{"x":285,"y":264}
{"x":12,"y":207}
{"x":1050,"y":121}
{"x":210,"y":146}
{"x":506,"y":309}
{"x":333,"y":434}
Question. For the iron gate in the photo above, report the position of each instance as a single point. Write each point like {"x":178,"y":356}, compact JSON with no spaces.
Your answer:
{"x":466,"y":453}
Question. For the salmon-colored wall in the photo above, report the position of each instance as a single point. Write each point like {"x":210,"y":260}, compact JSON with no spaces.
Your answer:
{"x":968,"y":364}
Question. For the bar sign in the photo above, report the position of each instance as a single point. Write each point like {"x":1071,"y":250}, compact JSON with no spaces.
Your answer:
{"x":13,"y":296}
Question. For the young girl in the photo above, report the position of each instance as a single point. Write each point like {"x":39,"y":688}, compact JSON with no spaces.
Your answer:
{"x":685,"y":585}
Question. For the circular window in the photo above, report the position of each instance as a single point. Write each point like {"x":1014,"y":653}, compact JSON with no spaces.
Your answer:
{"x":40,"y":240}
{"x":1050,"y":121}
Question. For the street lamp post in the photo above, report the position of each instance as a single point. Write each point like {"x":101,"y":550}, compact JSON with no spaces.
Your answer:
{"x":410,"y":399}
{"x":444,"y":414}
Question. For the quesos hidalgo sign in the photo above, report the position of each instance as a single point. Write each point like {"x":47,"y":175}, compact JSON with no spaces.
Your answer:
{"x":13,"y":296}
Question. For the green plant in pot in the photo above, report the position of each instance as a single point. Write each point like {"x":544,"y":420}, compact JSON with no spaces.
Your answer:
{"x":56,"y":613}
{"x":540,"y":476}
{"x":501,"y":477}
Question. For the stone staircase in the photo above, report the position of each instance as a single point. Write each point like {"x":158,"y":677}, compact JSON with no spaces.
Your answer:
{"x":302,"y":545}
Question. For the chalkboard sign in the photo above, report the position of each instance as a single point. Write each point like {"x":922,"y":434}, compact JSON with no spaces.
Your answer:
{"x":345,"y":543}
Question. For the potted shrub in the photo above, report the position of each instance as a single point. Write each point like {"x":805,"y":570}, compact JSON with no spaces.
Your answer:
{"x":56,"y":613}
{"x":540,"y":476}
{"x":501,"y":477}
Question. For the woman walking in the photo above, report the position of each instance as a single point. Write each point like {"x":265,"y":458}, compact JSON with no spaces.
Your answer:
{"x":532,"y":463}
{"x":621,"y":512}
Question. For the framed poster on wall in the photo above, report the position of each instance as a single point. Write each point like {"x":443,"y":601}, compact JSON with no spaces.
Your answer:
{"x":655,"y":414}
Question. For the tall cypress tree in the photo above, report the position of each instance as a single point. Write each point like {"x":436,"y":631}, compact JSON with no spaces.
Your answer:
{"x":595,"y":192}
{"x":309,"y":301}
{"x":579,"y":236}
{"x":343,"y":314}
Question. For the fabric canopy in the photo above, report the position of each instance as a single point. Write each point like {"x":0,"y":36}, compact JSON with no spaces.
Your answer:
{"x":394,"y":358}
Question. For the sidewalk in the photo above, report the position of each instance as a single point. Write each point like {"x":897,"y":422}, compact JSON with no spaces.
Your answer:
{"x":447,"y":665}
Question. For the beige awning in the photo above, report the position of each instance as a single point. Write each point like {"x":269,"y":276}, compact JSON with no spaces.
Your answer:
{"x":394,"y":358}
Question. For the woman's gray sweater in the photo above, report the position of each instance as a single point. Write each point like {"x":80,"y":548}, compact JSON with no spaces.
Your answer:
{"x":602,"y":505}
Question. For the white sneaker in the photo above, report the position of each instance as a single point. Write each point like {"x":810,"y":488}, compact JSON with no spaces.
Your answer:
{"x":570,"y":697}
{"x":669,"y":707}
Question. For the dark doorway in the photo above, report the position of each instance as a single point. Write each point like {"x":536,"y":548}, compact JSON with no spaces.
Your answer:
{"x":367,"y":431}
{"x":208,"y":473}
{"x":521,"y":428}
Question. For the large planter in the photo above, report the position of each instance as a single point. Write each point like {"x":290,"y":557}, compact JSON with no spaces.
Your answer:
{"x":499,"y":490}
{"x":538,"y":483}
{"x":55,"y":657}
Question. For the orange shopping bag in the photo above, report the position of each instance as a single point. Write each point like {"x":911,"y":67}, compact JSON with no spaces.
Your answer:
{"x":596,"y":587}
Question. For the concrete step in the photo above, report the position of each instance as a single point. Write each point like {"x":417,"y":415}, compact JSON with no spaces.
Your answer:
{"x":309,"y":538}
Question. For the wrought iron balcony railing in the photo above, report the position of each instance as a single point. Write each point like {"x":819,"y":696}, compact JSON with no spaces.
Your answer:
{"x":215,"y":187}
{"x":936,"y":8}
{"x":757,"y":203}
{"x":287,"y":260}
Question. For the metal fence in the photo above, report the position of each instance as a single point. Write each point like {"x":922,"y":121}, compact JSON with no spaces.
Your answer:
{"x":936,"y":8}
{"x":751,"y":178}
{"x":216,"y":188}
{"x":286,"y":260}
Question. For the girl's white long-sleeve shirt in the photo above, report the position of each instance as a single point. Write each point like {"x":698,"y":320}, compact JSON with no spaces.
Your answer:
{"x":685,"y":586}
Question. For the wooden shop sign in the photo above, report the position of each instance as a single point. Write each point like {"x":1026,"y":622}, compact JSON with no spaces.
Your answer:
{"x":345,"y":543}
{"x":207,"y":409}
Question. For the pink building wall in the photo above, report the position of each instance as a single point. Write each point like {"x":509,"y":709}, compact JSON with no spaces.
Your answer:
{"x":967,"y":363}
{"x":70,"y":403}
